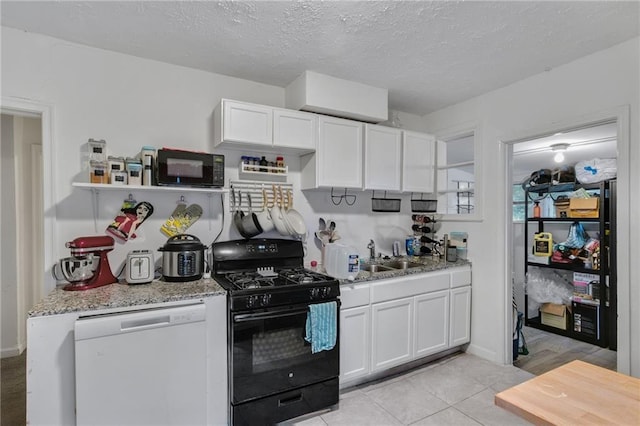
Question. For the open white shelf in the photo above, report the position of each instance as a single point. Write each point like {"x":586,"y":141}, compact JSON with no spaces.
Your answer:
{"x":130,"y":188}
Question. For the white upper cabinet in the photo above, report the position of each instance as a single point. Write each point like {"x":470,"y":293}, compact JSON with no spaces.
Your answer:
{"x":244,"y":125}
{"x":418,"y":162}
{"x":338,"y":159}
{"x":382,"y":158}
{"x":295,"y":129}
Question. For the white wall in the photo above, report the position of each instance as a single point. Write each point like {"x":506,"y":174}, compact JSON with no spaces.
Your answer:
{"x":571,"y":93}
{"x":131,"y":102}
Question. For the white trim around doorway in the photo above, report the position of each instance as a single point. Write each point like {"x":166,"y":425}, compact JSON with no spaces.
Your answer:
{"x":621,"y":116}
{"x":25,"y":107}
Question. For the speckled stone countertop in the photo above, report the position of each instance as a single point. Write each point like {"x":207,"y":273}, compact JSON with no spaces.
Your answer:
{"x":121,"y":295}
{"x":429,"y":265}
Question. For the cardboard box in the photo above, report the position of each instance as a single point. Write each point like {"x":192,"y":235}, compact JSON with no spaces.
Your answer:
{"x":584,"y":207}
{"x":554,"y":315}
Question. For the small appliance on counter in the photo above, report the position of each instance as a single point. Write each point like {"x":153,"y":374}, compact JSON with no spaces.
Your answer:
{"x":140,"y":267}
{"x":183,"y":258}
{"x":88,"y":267}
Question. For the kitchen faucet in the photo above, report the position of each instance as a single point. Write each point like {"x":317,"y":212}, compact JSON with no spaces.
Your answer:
{"x":372,"y":251}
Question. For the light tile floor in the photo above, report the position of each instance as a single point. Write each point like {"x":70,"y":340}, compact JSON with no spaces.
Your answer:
{"x":457,"y":390}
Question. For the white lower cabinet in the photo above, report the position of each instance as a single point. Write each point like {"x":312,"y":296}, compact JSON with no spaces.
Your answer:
{"x":392,"y":333}
{"x":390,"y":322}
{"x":431,"y":323}
{"x":460,"y":328}
{"x":355,"y":342}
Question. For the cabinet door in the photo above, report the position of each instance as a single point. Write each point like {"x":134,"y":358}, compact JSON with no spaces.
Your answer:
{"x":295,"y":129}
{"x":431,"y":323}
{"x":382,"y":158}
{"x":247,"y":123}
{"x":418,"y":162}
{"x":355,"y":343}
{"x":392,"y":333}
{"x":460,"y":316}
{"x":339,"y":153}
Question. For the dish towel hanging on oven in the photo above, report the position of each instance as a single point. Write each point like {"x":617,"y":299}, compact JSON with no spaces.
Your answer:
{"x":322,"y":326}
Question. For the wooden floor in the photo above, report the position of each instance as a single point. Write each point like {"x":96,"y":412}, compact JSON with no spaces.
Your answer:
{"x":13,"y":392}
{"x":548,"y":351}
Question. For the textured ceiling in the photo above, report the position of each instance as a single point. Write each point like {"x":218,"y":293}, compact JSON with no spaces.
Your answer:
{"x":428,"y":54}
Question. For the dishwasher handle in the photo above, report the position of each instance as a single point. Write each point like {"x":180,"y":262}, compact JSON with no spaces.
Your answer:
{"x":133,"y":321}
{"x":144,"y":323}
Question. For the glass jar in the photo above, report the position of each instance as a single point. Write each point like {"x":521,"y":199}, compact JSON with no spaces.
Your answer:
{"x":280,"y":164}
{"x":245,"y":163}
{"x":263,"y":164}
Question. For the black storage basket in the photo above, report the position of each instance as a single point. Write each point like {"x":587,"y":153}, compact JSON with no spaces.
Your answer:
{"x":424,"y":206}
{"x":389,"y":205}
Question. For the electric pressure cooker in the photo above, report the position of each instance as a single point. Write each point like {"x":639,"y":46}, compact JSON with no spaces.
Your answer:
{"x":182,"y":258}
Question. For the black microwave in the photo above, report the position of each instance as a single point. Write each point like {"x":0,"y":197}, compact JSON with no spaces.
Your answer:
{"x":189,"y":168}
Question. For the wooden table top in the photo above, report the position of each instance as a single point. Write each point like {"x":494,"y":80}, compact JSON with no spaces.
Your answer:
{"x":577,"y":393}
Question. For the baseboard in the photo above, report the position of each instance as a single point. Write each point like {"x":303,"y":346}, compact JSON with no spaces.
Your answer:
{"x":8,"y":353}
{"x":484,"y":353}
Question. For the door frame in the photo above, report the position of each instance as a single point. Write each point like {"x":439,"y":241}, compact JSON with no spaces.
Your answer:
{"x":621,"y":116}
{"x":25,"y":107}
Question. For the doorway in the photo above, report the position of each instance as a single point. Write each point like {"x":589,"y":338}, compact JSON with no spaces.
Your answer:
{"x":22,"y":225}
{"x":601,"y":139}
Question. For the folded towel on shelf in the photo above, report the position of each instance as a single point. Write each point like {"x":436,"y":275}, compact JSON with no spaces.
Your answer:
{"x":322,"y":326}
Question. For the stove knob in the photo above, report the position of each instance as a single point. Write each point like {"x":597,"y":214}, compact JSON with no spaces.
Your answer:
{"x":266,"y":298}
{"x":325,"y":291}
{"x":315,"y":292}
{"x":250,"y":301}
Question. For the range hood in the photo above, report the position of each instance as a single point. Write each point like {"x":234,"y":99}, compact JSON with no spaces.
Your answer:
{"x":324,"y":94}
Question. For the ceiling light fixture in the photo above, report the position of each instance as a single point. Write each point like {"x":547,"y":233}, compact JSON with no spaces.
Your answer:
{"x":559,"y":149}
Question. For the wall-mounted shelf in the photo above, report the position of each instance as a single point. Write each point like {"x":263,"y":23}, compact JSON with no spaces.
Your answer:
{"x":130,"y":188}
{"x":272,"y":174}
{"x":269,"y":170}
{"x":96,"y":188}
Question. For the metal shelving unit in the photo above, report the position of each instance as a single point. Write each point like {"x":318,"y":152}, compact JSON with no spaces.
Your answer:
{"x":601,"y":311}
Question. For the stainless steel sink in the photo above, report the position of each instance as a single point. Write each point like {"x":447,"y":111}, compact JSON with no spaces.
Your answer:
{"x":374,"y":267}
{"x":402,"y":264}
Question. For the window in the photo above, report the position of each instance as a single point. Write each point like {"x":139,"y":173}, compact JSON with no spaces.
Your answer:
{"x":519,"y":203}
{"x":456,"y":177}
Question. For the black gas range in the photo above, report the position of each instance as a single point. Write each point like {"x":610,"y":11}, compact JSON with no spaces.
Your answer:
{"x":273,"y":373}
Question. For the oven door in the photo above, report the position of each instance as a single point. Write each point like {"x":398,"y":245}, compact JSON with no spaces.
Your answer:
{"x":270,"y":354}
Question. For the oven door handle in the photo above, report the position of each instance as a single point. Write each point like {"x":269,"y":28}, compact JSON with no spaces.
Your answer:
{"x":268,"y":315}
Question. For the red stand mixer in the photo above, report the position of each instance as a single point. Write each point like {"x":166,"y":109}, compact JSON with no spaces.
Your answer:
{"x":88,"y":267}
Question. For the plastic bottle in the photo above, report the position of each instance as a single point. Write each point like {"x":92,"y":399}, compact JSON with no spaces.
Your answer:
{"x":536,"y":209}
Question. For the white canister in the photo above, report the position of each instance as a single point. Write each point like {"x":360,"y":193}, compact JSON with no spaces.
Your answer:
{"x":342,"y":262}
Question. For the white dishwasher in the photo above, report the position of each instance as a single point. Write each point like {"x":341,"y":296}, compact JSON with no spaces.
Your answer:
{"x":145,"y":367}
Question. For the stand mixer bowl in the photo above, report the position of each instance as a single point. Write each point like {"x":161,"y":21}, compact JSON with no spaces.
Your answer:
{"x":76,"y":269}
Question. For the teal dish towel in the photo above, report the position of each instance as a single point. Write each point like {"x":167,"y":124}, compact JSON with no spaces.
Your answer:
{"x":322,"y":326}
